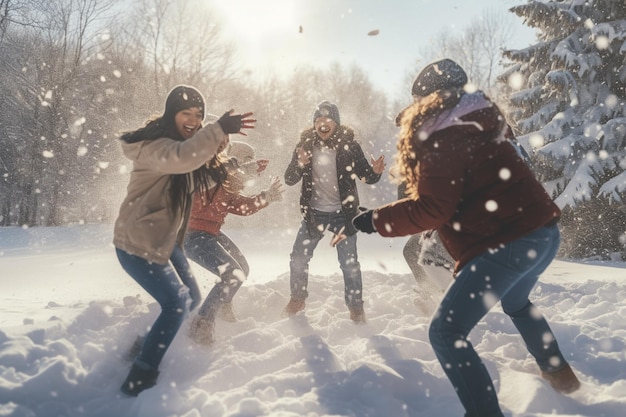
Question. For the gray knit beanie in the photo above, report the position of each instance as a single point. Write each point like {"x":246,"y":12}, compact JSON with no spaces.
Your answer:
{"x":327,"y":109}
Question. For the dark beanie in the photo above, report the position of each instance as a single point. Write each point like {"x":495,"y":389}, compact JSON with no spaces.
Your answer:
{"x":327,"y":109}
{"x":180,"y":98}
{"x":439,"y":75}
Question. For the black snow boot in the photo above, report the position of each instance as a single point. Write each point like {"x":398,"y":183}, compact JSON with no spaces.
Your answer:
{"x":134,"y":350}
{"x":139,"y":379}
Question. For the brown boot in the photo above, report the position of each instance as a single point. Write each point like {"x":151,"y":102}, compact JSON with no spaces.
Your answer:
{"x":562,"y":380}
{"x":201,"y":330}
{"x":357,"y":314}
{"x":226,"y":313}
{"x":294,"y":306}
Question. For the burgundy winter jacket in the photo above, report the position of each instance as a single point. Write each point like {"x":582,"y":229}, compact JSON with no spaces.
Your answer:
{"x":473,"y":187}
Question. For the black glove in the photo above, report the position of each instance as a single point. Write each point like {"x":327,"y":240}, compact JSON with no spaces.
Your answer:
{"x":363,"y":221}
{"x":230,"y":123}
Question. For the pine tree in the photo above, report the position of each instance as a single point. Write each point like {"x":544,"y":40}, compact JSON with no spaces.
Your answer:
{"x":569,"y":109}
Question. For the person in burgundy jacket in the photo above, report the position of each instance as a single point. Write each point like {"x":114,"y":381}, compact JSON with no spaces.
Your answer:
{"x":211,"y":248}
{"x":467,"y":182}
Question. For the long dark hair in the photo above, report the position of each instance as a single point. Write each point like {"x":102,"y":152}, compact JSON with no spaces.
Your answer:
{"x":180,"y":186}
{"x":217,"y":171}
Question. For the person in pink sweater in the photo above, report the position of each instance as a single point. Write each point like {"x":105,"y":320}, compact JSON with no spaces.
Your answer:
{"x":208,"y":246}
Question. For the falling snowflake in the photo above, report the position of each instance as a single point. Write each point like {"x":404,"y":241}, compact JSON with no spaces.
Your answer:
{"x":504,"y":174}
{"x":491,"y":206}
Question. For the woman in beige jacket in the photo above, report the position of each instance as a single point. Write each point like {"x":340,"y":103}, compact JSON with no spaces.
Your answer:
{"x":169,"y":157}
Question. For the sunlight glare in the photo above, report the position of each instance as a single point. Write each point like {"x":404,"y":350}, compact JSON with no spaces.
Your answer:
{"x":255,"y":21}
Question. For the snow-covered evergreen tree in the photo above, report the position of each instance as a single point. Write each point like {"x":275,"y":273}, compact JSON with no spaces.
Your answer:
{"x":568,"y":103}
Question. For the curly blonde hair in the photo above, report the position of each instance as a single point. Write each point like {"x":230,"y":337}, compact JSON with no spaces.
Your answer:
{"x":409,"y":145}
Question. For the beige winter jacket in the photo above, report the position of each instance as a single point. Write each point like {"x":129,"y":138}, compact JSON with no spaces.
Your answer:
{"x":147,"y":225}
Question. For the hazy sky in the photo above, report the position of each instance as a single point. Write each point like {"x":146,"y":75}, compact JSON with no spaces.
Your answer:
{"x":270,"y":41}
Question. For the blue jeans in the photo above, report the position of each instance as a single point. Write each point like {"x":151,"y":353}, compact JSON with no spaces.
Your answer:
{"x":170,"y":286}
{"x":220,"y":256}
{"x":302,"y":253}
{"x":508,"y":275}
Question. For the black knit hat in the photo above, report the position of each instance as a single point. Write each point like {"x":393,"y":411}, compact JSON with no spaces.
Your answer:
{"x":180,"y":98}
{"x":327,"y":109}
{"x":439,"y":75}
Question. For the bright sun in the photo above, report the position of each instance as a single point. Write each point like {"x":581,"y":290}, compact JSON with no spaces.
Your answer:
{"x":254,"y":21}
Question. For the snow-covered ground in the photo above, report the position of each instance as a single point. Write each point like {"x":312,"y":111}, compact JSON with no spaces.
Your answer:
{"x":69,"y":314}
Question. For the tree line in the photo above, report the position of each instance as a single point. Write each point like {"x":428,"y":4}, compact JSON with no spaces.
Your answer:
{"x":74,"y":74}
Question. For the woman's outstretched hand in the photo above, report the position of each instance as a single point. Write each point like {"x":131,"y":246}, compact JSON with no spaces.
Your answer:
{"x":233,"y":123}
{"x":275,"y":192}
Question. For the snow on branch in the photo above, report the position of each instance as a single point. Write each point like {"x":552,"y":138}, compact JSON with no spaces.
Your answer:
{"x":554,"y":129}
{"x":564,"y":82}
{"x":526,"y":97}
{"x":614,"y":135}
{"x":524,"y":55}
{"x":542,"y":15}
{"x":546,"y":113}
{"x":560,"y":150}
{"x":579,"y":188}
{"x":611,"y":30}
{"x":614,"y":188}
{"x":554,"y":186}
{"x":568,"y":53}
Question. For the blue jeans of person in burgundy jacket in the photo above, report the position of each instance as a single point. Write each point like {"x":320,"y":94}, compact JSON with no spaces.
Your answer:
{"x":508,"y":275}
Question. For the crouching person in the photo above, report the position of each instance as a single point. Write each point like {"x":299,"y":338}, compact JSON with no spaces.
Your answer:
{"x":466,"y":181}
